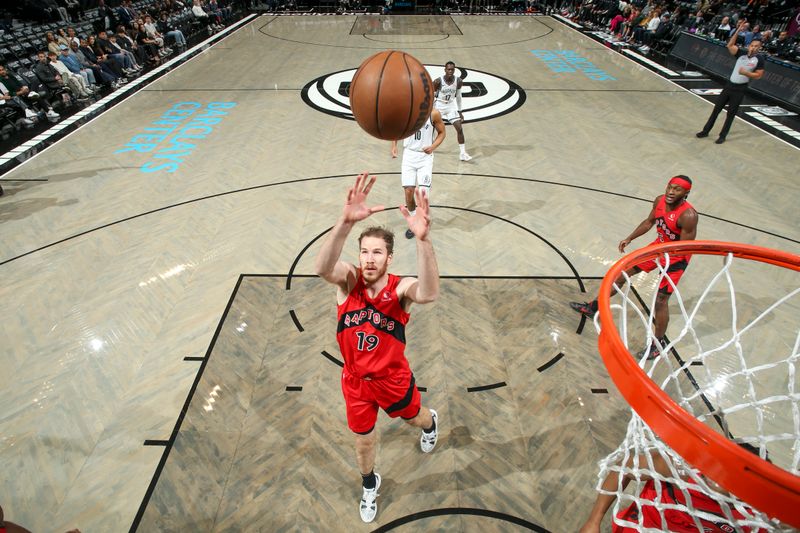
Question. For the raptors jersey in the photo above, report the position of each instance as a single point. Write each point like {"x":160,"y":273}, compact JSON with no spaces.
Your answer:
{"x":667,"y":224}
{"x":447,"y":93}
{"x":677,"y":521}
{"x":421,"y":139}
{"x":372,"y":332}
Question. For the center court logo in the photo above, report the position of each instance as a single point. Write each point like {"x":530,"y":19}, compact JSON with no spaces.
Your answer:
{"x":484,"y":95}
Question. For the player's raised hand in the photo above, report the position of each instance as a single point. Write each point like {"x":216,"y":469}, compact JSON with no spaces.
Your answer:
{"x":355,"y":208}
{"x":420,"y":222}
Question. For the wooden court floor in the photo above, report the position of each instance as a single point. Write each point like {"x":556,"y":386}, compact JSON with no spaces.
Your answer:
{"x":164,"y":338}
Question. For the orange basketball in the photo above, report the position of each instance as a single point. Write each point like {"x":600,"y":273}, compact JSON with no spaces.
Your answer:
{"x":391,"y":95}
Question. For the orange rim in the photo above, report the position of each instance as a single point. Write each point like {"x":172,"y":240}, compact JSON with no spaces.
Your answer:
{"x":765,"y":486}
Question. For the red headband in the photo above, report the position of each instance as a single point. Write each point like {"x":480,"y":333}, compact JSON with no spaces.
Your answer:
{"x":681,"y":182}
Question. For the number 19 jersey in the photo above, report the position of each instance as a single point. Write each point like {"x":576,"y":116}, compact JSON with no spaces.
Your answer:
{"x":372,"y":332}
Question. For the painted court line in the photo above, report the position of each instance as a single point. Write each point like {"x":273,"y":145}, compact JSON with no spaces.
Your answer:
{"x":774,"y":124}
{"x":640,"y":57}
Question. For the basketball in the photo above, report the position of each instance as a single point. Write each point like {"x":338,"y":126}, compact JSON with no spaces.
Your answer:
{"x":391,"y":95}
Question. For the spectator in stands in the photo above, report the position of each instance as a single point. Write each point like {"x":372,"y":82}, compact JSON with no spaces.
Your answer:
{"x":171,"y":30}
{"x":62,"y":12}
{"x":75,"y":82}
{"x":136,"y":14}
{"x":106,"y":16}
{"x":202,"y":16}
{"x":73,"y":37}
{"x":150,"y":47}
{"x":744,"y":31}
{"x":72,"y":7}
{"x":71,"y":62}
{"x":52,"y":44}
{"x":61,"y":38}
{"x":118,"y":48}
{"x":755,"y":35}
{"x":153,"y":33}
{"x":615,"y":26}
{"x":129,"y":44}
{"x":49,"y":76}
{"x":97,"y":57}
{"x":16,"y":94}
{"x":125,"y":15}
{"x":723,"y":31}
{"x":652,"y":25}
{"x":104,"y":46}
{"x":224,"y":13}
{"x":662,"y":32}
{"x":630,"y":23}
{"x":782,"y":46}
{"x":102,"y":76}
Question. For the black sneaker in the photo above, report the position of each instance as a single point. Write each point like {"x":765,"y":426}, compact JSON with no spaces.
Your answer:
{"x":583,"y":308}
{"x":409,"y":234}
{"x":655,"y":351}
{"x":701,"y":134}
{"x":720,"y":140}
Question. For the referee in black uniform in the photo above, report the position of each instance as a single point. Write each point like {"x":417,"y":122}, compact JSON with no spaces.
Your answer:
{"x":749,"y":66}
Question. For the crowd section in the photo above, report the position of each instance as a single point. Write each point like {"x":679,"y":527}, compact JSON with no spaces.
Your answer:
{"x":657,"y":23}
{"x":59,"y":56}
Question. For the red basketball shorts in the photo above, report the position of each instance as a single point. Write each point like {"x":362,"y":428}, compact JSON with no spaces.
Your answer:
{"x":396,"y":394}
{"x":674,"y":271}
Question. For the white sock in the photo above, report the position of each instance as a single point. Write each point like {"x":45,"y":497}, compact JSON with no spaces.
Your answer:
{"x":412,"y":212}
{"x":463,"y":148}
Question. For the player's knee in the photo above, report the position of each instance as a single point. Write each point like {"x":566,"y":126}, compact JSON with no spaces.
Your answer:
{"x":365,"y":443}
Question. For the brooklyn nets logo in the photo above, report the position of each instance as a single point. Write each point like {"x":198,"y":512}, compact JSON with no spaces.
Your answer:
{"x":484,"y":95}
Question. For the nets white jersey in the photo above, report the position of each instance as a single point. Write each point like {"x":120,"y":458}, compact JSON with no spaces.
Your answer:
{"x":446,"y":97}
{"x":420,"y":139}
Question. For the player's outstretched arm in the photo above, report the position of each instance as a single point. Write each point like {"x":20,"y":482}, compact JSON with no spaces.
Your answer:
{"x":327,"y":264}
{"x":425,"y":288}
{"x":643,"y":227}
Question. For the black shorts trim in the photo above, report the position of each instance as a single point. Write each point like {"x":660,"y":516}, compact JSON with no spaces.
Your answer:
{"x":680,"y":266}
{"x":365,"y":432}
{"x":402,"y":404}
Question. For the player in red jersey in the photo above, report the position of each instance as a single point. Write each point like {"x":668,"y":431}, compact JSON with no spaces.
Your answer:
{"x":675,"y":220}
{"x":666,"y":494}
{"x":373,"y":310}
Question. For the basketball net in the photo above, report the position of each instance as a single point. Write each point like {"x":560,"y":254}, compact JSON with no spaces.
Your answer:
{"x":728,"y":377}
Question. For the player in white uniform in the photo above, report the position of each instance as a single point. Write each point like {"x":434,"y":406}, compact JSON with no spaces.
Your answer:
{"x":448,"y":102}
{"x":417,"y":165}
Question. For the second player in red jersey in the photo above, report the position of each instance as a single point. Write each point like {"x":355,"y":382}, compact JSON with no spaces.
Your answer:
{"x":675,"y":219}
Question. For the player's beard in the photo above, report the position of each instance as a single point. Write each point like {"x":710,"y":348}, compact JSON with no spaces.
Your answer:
{"x":371,"y":276}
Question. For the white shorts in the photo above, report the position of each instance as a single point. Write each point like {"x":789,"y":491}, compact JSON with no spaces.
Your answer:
{"x":417,"y":169}
{"x":449,"y":113}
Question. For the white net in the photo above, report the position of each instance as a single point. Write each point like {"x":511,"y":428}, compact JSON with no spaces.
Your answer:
{"x":733,"y":366}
